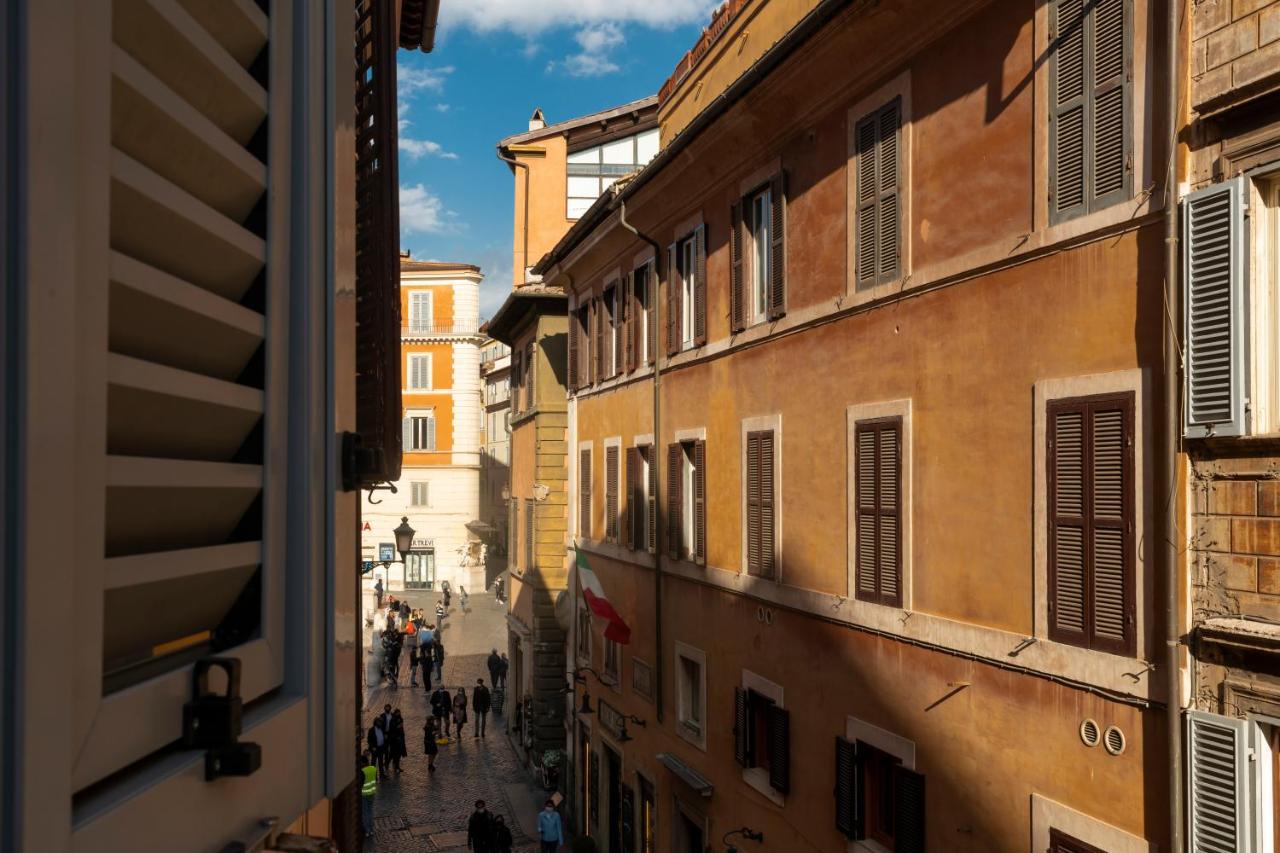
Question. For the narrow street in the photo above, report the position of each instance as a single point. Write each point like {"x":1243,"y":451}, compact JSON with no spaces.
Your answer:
{"x":415,"y":811}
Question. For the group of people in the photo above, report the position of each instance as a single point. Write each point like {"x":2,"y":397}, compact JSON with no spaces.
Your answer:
{"x":487,"y":832}
{"x":386,"y":741}
{"x":421,"y":639}
{"x":451,"y":711}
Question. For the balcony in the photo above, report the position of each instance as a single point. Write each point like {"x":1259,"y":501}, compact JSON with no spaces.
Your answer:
{"x":453,"y":328}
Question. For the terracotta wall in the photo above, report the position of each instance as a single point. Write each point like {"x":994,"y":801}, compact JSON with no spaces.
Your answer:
{"x":548,"y":187}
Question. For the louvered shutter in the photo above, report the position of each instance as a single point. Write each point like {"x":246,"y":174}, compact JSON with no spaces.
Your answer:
{"x":865,"y":135}
{"x":778,"y":249}
{"x":584,"y":494}
{"x":573,"y":350}
{"x":778,"y":732}
{"x":700,"y":502}
{"x":737,"y":295}
{"x":627,"y":341}
{"x":700,"y":286}
{"x":753,"y":503}
{"x":908,"y":811}
{"x":632,"y":514}
{"x":616,"y":321}
{"x":768,"y":508}
{"x":516,"y":380}
{"x":741,"y":728}
{"x":878,"y":511}
{"x":674,"y":471}
{"x":1109,"y":125}
{"x":878,"y":140}
{"x":611,"y":493}
{"x":1214,"y":282}
{"x":598,"y":322}
{"x":1060,"y":842}
{"x":847,"y":792}
{"x":1068,"y":523}
{"x":1068,"y":116}
{"x":530,"y":535}
{"x":1112,"y":606}
{"x":531,"y":371}
{"x":431,"y":432}
{"x":651,"y":456}
{"x":1218,"y":813}
{"x":513,"y":534}
{"x":673,"y":299}
{"x":406,"y":427}
{"x":651,"y":308}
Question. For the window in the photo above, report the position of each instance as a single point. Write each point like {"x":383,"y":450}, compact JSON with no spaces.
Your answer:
{"x":420,"y":311}
{"x":1089,"y":106}
{"x":878,"y":236}
{"x":691,"y":688}
{"x":420,"y":430}
{"x":642,"y":487}
{"x":762,"y":735}
{"x":1090,"y":522}
{"x":878,"y":796}
{"x":613,"y":661}
{"x":593,"y":170}
{"x":580,"y":347}
{"x":419,"y":496}
{"x":610,"y":341}
{"x":584,"y":634}
{"x":643,"y":335}
{"x":530,"y":535}
{"x":1232,"y":772}
{"x":513,"y":531}
{"x":1060,"y":842}
{"x":611,"y":492}
{"x":687,"y":292}
{"x":516,"y":379}
{"x":878,"y":511}
{"x":686,"y":501}
{"x":420,"y":569}
{"x":530,"y":374}
{"x":584,"y":493}
{"x":761,"y":502}
{"x":757,"y":255}
{"x":419,"y":371}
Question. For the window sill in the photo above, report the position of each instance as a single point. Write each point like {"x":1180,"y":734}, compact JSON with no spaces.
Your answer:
{"x":870,"y":846}
{"x":758,"y":779}
{"x":697,"y":737}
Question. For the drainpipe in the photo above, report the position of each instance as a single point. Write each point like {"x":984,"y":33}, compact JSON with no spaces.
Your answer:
{"x":1172,"y":435}
{"x":652,"y":291}
{"x":524,"y":239}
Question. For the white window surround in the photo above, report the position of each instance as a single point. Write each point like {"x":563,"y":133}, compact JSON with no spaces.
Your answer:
{"x":687,"y":257}
{"x":410,"y":358}
{"x":1046,"y":390}
{"x":760,"y":206}
{"x":420,"y":493}
{"x":699,"y":737}
{"x":421,"y":309}
{"x":758,"y":777}
{"x":429,"y":413}
{"x":682,"y":436}
{"x":867,"y":412}
{"x":1264,"y":299}
{"x":885,"y":741}
{"x":1047,"y":814}
{"x":762,"y":422}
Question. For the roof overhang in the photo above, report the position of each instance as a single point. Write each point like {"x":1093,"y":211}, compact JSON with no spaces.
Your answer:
{"x":418,"y":24}
{"x":523,"y":303}
{"x":1253,"y":635}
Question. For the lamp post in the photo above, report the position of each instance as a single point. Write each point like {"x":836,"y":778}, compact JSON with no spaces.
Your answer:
{"x":404,"y":537}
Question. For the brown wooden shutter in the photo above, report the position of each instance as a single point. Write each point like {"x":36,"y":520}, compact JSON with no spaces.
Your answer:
{"x":673,"y":299}
{"x":753,"y":503}
{"x":531,"y":371}
{"x":737,"y":295}
{"x":1108,"y":127}
{"x":1068,"y":120}
{"x":617,"y":320}
{"x":908,"y":811}
{"x":741,"y":728}
{"x":700,"y":502}
{"x":651,"y":308}
{"x":778,"y":250}
{"x":572,"y":378}
{"x":889,"y":230}
{"x":847,"y":793}
{"x":675,"y":456}
{"x":778,"y":729}
{"x":598,"y":321}
{"x":878,"y":511}
{"x":625,"y":306}
{"x":611,"y":493}
{"x":517,"y":379}
{"x":1060,"y":842}
{"x":768,"y":509}
{"x":632,"y":514}
{"x":584,"y":494}
{"x":700,"y":286}
{"x":879,"y":227}
{"x":651,"y":456}
{"x":530,"y":537}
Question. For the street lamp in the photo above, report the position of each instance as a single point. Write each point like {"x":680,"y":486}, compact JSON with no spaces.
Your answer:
{"x":404,"y":537}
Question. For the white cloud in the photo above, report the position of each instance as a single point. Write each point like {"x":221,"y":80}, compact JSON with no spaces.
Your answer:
{"x":525,"y":16}
{"x":442,"y":108}
{"x":410,"y":80}
{"x":416,"y":148}
{"x":596,"y":41}
{"x":422,"y":212}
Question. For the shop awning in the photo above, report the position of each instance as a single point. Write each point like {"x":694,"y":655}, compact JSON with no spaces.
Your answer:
{"x":687,"y":774}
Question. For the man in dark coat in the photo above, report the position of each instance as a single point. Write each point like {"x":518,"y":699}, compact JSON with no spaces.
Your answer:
{"x":391,"y":644}
{"x":480,"y":704}
{"x":441,"y":706}
{"x":480,"y":830}
{"x":377,"y":742}
{"x":495,"y":667}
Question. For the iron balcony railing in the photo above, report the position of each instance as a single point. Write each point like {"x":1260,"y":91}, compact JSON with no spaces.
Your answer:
{"x":417,"y":330}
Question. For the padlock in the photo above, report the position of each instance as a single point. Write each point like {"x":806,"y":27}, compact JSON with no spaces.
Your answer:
{"x":210,"y":721}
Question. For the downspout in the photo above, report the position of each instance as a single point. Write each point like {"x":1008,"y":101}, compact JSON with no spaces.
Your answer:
{"x":652,"y":291}
{"x":524,"y":238}
{"x":1172,"y":435}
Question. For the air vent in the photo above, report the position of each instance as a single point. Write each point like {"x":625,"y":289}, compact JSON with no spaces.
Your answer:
{"x":1090,"y":733}
{"x":1114,"y":740}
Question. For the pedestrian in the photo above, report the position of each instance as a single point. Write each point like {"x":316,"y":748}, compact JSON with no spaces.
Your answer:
{"x":480,"y":704}
{"x":480,"y":830}
{"x":429,"y":746}
{"x":377,"y":743}
{"x":441,"y":706}
{"x":386,"y":717}
{"x":462,"y":597}
{"x":368,"y":787}
{"x":411,"y":642}
{"x":502,"y":673}
{"x":502,"y":839}
{"x":448,"y":597}
{"x":396,"y":740}
{"x":377,"y":591}
{"x":439,"y":644}
{"x":404,"y":611}
{"x":550,"y":833}
{"x":440,"y":610}
{"x":495,"y":667}
{"x":459,"y":711}
{"x":391,"y":645}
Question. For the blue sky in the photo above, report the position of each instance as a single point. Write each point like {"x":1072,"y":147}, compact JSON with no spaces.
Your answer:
{"x":494,"y":61}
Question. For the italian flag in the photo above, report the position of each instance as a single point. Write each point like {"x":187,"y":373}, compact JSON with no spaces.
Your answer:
{"x":616,"y":630}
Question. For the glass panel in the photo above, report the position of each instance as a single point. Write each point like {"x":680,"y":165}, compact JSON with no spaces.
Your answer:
{"x":578,"y":206}
{"x":646,"y":146}
{"x":589,"y":155}
{"x":622,"y":151}
{"x":584,"y":187}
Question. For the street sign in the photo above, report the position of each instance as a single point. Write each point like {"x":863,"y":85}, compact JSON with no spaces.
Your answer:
{"x":386,"y":552}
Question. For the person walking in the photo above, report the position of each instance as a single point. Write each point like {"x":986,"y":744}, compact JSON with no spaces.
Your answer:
{"x":377,"y":592}
{"x":429,"y":746}
{"x":494,"y":663}
{"x":480,"y":830}
{"x":396,"y":740}
{"x":441,"y":706}
{"x":440,"y":611}
{"x":368,"y":787}
{"x":377,"y":743}
{"x":410,"y":636}
{"x":391,"y":645}
{"x":502,"y":673}
{"x":459,"y":711}
{"x":502,"y":839}
{"x":462,"y":597}
{"x":550,"y":833}
{"x":439,"y":646}
{"x":480,"y":704}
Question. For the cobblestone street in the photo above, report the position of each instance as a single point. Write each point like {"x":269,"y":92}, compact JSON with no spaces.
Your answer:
{"x":416,"y":811}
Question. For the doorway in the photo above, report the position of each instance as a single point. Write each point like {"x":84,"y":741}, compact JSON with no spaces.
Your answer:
{"x":420,"y":569}
{"x":690,"y":830}
{"x":613,"y":779}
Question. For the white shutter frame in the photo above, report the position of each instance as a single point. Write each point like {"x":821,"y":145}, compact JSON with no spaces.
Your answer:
{"x":1218,"y":784}
{"x":407,"y":426}
{"x":1215,"y":303}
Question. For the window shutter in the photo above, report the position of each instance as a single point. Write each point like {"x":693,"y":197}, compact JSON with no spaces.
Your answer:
{"x":778,"y":726}
{"x":741,"y":730}
{"x":848,"y":795}
{"x":778,"y":250}
{"x":865,"y":134}
{"x":1068,"y":122}
{"x":1112,"y":616}
{"x":1214,"y":242}
{"x":1109,"y":125}
{"x":651,"y":307}
{"x":515,"y":381}
{"x":700,"y":286}
{"x":617,"y":319}
{"x":768,"y":528}
{"x":651,"y":455}
{"x":890,"y":226}
{"x":633,"y":506}
{"x":584,"y":494}
{"x":573,"y":350}
{"x":626,"y":820}
{"x":908,"y":811}
{"x":878,"y":487}
{"x":406,"y":427}
{"x":737,"y":295}
{"x":879,"y":226}
{"x":431,"y":433}
{"x":598,"y":321}
{"x":889,"y":563}
{"x":753,"y":503}
{"x":1218,"y":783}
{"x":1068,"y":524}
{"x":530,"y":538}
{"x":700,"y":502}
{"x":611,"y":493}
{"x":531,"y":370}
{"x":626,"y":342}
{"x":673,"y":300}
{"x":674,"y":465}
{"x":593,"y":776}
{"x":513,"y":534}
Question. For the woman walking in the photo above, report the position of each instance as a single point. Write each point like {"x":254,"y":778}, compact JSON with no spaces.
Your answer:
{"x":429,"y":745}
{"x":459,"y":711}
{"x":399,"y":748}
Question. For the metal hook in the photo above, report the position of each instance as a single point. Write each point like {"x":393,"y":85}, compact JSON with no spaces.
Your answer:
{"x":389,"y":486}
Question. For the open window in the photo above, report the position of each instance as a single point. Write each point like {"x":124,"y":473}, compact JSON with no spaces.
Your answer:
{"x":880,"y":798}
